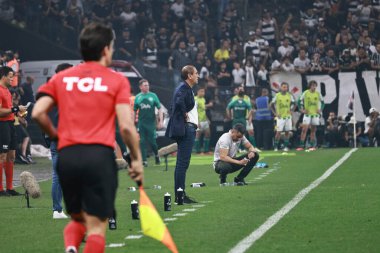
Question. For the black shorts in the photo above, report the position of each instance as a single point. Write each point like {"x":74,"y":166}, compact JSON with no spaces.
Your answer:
{"x":8,"y":136}
{"x":88,"y":177}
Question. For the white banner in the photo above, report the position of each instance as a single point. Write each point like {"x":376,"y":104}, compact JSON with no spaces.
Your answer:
{"x":294,"y":81}
{"x":338,"y":90}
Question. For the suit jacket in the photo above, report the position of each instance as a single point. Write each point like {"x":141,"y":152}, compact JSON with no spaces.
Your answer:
{"x":182,"y":103}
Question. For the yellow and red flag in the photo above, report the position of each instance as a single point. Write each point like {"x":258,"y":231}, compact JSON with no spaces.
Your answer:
{"x":152,"y":224}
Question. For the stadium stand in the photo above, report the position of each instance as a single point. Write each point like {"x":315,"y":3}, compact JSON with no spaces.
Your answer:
{"x":264,"y":37}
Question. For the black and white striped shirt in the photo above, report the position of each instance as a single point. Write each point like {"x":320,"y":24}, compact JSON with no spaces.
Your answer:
{"x":375,"y":59}
{"x":263,"y":44}
{"x":252,"y":48}
{"x":150,"y":54}
{"x":353,"y":6}
{"x":268,"y":29}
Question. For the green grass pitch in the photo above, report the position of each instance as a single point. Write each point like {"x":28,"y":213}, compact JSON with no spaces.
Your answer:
{"x":341,"y":215}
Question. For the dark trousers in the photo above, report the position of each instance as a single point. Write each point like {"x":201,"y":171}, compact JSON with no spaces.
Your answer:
{"x":332,"y":138}
{"x":223,"y":168}
{"x":264,"y":133}
{"x":147,"y":135}
{"x":185,"y":146}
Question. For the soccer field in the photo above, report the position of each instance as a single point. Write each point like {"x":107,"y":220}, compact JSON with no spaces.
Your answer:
{"x":341,"y":214}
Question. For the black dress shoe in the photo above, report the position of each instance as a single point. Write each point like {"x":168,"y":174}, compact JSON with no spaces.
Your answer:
{"x":239,"y":182}
{"x":188,"y":200}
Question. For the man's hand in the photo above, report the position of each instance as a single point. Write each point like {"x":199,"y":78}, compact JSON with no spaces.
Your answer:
{"x":135,"y":171}
{"x":22,"y":108}
{"x":244,"y":161}
{"x":251,"y":155}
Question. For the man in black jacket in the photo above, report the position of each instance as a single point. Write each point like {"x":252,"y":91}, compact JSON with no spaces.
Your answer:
{"x":182,"y":125}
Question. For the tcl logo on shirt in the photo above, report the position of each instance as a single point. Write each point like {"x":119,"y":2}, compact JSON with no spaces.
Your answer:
{"x":86,"y":84}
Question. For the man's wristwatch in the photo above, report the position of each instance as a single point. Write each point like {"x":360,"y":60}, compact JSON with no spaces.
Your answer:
{"x":15,"y":109}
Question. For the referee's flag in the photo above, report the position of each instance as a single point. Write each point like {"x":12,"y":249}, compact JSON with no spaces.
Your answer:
{"x":152,"y":224}
{"x":351,"y":101}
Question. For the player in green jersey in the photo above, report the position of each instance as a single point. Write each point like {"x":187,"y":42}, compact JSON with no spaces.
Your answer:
{"x":282,"y":105}
{"x":146,"y":103}
{"x":240,"y":111}
{"x":249,"y":126}
{"x":204,"y":123}
{"x":311,"y":105}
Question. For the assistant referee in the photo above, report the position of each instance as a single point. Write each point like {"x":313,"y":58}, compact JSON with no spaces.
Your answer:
{"x":88,"y":98}
{"x":7,"y":131}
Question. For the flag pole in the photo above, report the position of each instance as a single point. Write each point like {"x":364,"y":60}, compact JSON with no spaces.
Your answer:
{"x":354,"y":115}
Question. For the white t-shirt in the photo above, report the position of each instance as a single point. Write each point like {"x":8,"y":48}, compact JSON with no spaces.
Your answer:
{"x":262,"y":74}
{"x":178,"y":9}
{"x":285,"y":51}
{"x":249,"y":77}
{"x":225,"y":142}
{"x":238,"y":75}
{"x":366,"y":124}
{"x":193,"y":114}
{"x":128,"y":17}
{"x":287,"y":68}
{"x":302,"y":64}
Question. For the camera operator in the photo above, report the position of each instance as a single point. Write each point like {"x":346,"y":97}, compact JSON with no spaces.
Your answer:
{"x":372,"y":126}
{"x":332,"y":130}
{"x":343,"y":137}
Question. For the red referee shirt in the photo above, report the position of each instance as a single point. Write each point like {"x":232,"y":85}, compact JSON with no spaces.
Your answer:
{"x":86,"y":96}
{"x":6,"y":102}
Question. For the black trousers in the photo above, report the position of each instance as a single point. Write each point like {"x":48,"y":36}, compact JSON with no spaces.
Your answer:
{"x":264,"y":133}
{"x":332,"y":137}
{"x":223,"y":168}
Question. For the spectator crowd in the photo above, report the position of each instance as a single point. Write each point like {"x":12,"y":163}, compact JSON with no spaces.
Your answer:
{"x":299,"y":36}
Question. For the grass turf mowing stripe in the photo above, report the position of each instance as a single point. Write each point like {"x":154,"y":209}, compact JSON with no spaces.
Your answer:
{"x":248,"y":241}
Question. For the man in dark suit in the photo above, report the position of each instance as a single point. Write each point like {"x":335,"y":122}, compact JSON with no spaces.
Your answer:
{"x":182,"y":126}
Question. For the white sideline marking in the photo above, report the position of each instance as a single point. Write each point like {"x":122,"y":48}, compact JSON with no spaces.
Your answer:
{"x":170,"y":219}
{"x":189,"y":210}
{"x":248,"y":241}
{"x":180,"y":214}
{"x":195,"y":206}
{"x":116,"y":245}
{"x":131,"y":237}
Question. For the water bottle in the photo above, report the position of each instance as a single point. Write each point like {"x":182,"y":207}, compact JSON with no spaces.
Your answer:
{"x":167,"y":202}
{"x":135,"y":210}
{"x":112,"y":221}
{"x":180,"y":196}
{"x":197,"y":185}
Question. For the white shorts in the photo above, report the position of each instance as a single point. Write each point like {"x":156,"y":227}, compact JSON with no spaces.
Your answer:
{"x":311,"y":120}
{"x":249,"y":125}
{"x":284,"y":124}
{"x":204,"y":125}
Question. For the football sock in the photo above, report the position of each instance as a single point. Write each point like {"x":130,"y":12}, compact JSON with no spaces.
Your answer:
{"x":73,"y":234}
{"x":286,"y":142}
{"x":207,"y":145}
{"x":312,"y":143}
{"x":302,"y":144}
{"x":1,"y":176}
{"x":197,"y":145}
{"x":252,"y":140}
{"x":94,"y":244}
{"x":275,"y":143}
{"x":9,"y":174}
